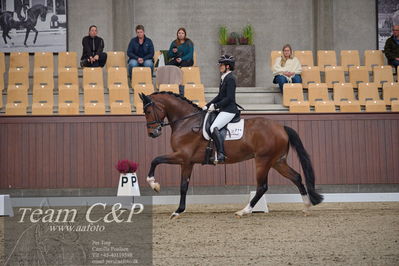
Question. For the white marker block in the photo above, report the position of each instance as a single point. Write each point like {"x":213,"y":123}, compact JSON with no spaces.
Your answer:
{"x":5,"y":206}
{"x":261,"y":205}
{"x":128,"y":185}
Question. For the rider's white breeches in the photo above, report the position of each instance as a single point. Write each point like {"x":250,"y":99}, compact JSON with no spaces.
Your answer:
{"x":221,"y":120}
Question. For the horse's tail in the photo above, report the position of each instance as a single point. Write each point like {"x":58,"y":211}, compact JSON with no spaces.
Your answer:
{"x":306,"y":164}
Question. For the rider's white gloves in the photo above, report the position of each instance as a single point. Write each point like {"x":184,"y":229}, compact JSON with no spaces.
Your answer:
{"x":205,"y":108}
{"x":211,"y":108}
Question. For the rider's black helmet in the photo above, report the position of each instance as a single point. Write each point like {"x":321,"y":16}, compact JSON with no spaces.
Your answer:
{"x":227,"y":60}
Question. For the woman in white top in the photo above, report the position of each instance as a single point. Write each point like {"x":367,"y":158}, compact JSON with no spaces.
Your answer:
{"x":287,"y":68}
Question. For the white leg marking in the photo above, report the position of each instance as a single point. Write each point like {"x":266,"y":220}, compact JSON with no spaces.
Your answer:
{"x":246,"y":210}
{"x":154,"y":185}
{"x":307,"y":203}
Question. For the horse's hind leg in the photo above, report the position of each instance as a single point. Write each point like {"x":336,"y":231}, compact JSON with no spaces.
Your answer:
{"x":262,"y":170}
{"x":285,"y":170}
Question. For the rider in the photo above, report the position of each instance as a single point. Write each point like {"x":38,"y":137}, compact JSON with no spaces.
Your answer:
{"x":225,"y":101}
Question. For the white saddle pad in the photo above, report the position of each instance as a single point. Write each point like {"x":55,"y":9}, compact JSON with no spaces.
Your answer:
{"x":234,"y":130}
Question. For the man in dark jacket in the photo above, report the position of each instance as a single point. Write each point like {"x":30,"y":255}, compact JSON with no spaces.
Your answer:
{"x":140,"y":50}
{"x":391,"y":48}
{"x":93,"y":46}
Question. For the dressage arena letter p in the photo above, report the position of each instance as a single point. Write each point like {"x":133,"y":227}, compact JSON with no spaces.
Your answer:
{"x":128,"y":185}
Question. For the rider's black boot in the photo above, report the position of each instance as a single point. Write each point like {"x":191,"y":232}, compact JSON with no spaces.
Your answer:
{"x":217,"y":138}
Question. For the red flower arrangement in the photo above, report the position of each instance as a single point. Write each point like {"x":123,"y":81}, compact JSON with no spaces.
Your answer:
{"x":126,"y":166}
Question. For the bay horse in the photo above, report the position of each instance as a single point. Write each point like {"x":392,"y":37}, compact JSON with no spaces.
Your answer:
{"x":31,"y":20}
{"x":265,"y":140}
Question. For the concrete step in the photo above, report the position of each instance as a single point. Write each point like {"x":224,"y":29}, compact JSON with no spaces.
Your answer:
{"x":246,"y":90}
{"x":249,"y":108}
{"x":252,"y":98}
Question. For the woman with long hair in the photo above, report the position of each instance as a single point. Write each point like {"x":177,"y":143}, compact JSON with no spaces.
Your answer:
{"x":287,"y":68}
{"x":181,"y":50}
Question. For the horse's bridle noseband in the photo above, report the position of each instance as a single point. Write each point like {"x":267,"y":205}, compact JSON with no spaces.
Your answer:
{"x":157,"y":121}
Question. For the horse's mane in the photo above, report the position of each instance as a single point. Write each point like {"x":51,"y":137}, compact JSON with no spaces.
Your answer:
{"x":178,"y":96}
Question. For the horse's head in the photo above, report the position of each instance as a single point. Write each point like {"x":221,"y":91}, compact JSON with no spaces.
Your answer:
{"x":43,"y":13}
{"x":154,"y":114}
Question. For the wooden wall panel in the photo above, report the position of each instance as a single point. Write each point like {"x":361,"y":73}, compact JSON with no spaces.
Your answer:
{"x":81,"y":151}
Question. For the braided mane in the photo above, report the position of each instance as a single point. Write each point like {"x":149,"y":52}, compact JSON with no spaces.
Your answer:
{"x":178,"y":96}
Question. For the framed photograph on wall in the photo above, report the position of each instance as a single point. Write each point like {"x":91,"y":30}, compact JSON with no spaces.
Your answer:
{"x":387,"y":16}
{"x":33,"y":25}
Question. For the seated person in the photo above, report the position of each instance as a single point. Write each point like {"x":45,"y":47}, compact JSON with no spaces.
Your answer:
{"x":93,"y":47}
{"x":287,"y":68}
{"x":391,"y":48}
{"x":181,"y":50}
{"x":140,"y":51}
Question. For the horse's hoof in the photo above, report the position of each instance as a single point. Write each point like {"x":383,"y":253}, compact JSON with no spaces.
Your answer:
{"x":175,"y":215}
{"x":156,"y":187}
{"x":306,"y":212}
{"x":239,"y":214}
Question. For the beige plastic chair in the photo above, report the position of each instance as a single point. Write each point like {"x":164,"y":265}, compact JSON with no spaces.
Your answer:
{"x":390,"y":92}
{"x":43,"y":79}
{"x":317,"y":92}
{"x":195,"y":93}
{"x":147,"y":89}
{"x":19,"y":61}
{"x":191,"y":75}
{"x":141,"y":75}
{"x":67,"y":60}
{"x":343,"y":92}
{"x":382,"y":74}
{"x":116,"y":59}
{"x":334,"y":74}
{"x":349,"y":58}
{"x":68,"y":79}
{"x":310,"y":75}
{"x":373,"y":58}
{"x":358,"y":74}
{"x":94,"y":101}
{"x":273,"y":56}
{"x":44,"y":61}
{"x":349,"y":107}
{"x":169,"y":87}
{"x":117,"y":78}
{"x":299,"y":107}
{"x":19,"y":78}
{"x":17,"y":102}
{"x":43,"y":102}
{"x":119,"y":100}
{"x":305,"y":57}
{"x":326,"y":58}
{"x":375,"y":106}
{"x":93,"y":78}
{"x":292,"y":92}
{"x":324,"y":107}
{"x":368,"y":92}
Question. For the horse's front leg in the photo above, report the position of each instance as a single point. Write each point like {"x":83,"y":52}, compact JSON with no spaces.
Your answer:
{"x":26,"y":35}
{"x":173,"y":158}
{"x":36,"y":33}
{"x":186,"y":170}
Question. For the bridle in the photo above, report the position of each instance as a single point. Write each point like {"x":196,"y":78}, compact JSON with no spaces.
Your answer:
{"x":160,"y":123}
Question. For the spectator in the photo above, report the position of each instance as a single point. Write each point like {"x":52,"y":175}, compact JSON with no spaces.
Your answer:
{"x":93,"y":46}
{"x":391,"y":48}
{"x":287,"y":68}
{"x":181,"y":50}
{"x":140,"y":50}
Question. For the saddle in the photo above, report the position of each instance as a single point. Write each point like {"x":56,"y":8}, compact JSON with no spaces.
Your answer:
{"x":232,"y":131}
